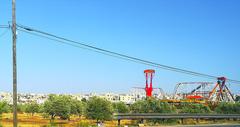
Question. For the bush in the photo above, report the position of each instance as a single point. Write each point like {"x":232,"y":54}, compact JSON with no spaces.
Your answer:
{"x":237,"y":99}
{"x":194,"y":108}
{"x":228,"y":108}
{"x":152,"y":105}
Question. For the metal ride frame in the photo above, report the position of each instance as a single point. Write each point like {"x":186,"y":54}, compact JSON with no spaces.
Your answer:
{"x":220,"y":92}
{"x":195,"y":93}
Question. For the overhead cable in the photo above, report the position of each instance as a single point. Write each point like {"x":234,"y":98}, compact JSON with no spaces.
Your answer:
{"x":63,"y":40}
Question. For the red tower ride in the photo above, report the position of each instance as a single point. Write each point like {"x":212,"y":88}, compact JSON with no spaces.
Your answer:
{"x":149,"y":76}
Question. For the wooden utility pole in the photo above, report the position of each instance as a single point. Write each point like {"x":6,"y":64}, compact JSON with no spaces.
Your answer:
{"x":14,"y":37}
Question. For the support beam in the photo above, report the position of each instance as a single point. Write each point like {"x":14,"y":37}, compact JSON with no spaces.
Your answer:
{"x":119,"y":122}
{"x":182,"y":121}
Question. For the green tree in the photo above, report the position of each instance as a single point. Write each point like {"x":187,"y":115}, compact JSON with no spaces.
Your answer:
{"x":58,"y":106}
{"x":99,"y":109}
{"x":32,"y":108}
{"x":4,"y":107}
{"x":76,"y":107}
{"x":84,"y":106}
{"x":41,"y":108}
{"x":21,"y":108}
{"x":120,"y":107}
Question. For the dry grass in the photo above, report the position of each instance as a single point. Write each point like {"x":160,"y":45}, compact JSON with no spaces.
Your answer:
{"x":26,"y":120}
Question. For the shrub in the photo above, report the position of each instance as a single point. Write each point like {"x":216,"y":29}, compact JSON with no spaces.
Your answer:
{"x":194,"y":108}
{"x":228,"y":108}
{"x":152,"y":105}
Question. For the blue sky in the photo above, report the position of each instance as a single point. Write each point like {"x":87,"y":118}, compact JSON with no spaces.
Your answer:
{"x":198,"y":35}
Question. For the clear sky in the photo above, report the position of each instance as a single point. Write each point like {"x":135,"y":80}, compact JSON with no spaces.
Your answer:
{"x":198,"y":35}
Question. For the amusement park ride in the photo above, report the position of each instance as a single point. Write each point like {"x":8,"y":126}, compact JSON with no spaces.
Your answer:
{"x":221,"y":92}
{"x":199,"y":92}
{"x":149,"y":90}
{"x":149,"y":75}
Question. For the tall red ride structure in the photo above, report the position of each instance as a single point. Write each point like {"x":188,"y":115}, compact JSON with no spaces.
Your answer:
{"x":149,"y":76}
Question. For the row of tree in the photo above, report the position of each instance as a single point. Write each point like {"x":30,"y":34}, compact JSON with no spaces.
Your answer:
{"x":63,"y":107}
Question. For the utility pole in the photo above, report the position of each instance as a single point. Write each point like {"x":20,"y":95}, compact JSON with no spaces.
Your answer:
{"x":14,"y":37}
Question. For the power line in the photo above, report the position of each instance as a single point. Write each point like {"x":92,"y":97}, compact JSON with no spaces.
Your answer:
{"x":4,"y":26}
{"x":101,"y":52}
{"x":107,"y":52}
{"x":111,"y":53}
